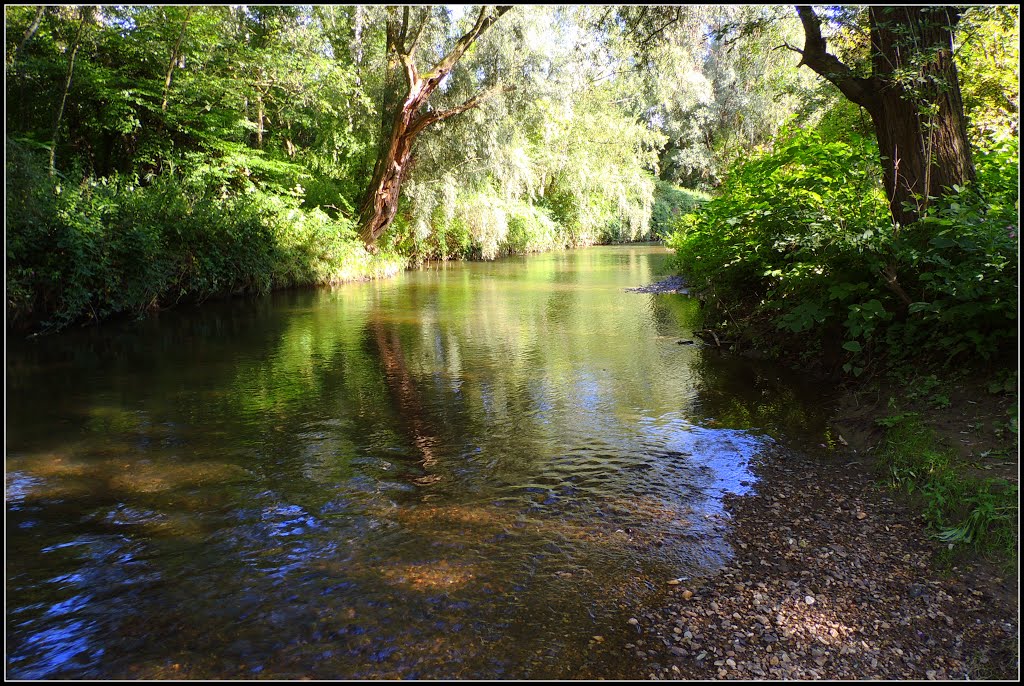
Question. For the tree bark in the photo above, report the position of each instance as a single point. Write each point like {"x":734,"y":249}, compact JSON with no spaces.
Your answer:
{"x":921,"y":130}
{"x":380,"y":201}
{"x":29,"y":32}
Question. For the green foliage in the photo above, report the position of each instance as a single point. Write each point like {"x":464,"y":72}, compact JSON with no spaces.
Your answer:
{"x":964,"y":256}
{"x":671,"y":202}
{"x":786,"y":234}
{"x":113,"y":246}
{"x":988,"y":61}
{"x":530,"y":229}
{"x":216,"y":149}
{"x":717,"y":102}
{"x":959,"y":509}
{"x":842,"y":119}
{"x":966,"y":270}
{"x":800,"y":237}
{"x":564,"y":151}
{"x":998,"y":167}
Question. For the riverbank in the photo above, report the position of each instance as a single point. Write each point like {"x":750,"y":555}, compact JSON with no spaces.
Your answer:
{"x":833,"y":578}
{"x":837,"y":575}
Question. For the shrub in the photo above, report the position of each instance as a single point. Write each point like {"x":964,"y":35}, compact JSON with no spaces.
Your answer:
{"x":800,"y":242}
{"x":670,"y":203}
{"x":113,"y":246}
{"x":793,"y":236}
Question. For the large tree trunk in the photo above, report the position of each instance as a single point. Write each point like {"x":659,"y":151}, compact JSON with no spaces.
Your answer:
{"x":380,"y":201}
{"x":921,"y":131}
{"x":920,"y":128}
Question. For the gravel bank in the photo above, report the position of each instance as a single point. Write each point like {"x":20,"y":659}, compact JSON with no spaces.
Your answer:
{"x":833,"y":578}
{"x":673,"y":284}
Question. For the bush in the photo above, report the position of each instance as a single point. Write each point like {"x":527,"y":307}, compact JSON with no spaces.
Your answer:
{"x":800,"y":247}
{"x":530,"y":229}
{"x":670,"y":203}
{"x":793,"y":235}
{"x":111,"y":246}
{"x":961,"y":261}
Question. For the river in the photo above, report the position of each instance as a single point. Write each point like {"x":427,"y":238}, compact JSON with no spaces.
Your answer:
{"x":468,"y":471}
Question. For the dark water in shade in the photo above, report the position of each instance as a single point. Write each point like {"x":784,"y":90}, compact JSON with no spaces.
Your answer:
{"x":464,"y":472}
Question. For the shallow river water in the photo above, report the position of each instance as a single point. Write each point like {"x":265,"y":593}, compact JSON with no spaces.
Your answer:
{"x":467,"y":471}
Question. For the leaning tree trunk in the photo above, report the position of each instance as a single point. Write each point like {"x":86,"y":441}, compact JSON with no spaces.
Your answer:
{"x":410,"y":115}
{"x":380,"y":203}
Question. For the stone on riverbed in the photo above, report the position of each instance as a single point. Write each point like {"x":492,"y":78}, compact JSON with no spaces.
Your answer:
{"x":673,"y":284}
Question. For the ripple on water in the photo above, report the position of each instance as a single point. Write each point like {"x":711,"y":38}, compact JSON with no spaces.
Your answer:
{"x":465,"y":473}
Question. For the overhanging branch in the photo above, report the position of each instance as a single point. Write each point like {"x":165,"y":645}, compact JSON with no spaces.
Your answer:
{"x":429,"y":119}
{"x":816,"y":56}
{"x":483,"y":22}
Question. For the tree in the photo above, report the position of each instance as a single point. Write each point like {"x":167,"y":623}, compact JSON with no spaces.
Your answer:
{"x":404,"y":116}
{"x":564,"y":158}
{"x":85,"y":15}
{"x":913,"y":98}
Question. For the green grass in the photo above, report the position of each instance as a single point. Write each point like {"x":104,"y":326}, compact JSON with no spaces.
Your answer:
{"x":959,"y":509}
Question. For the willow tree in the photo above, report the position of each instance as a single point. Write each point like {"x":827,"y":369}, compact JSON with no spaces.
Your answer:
{"x":407,"y":116}
{"x":913,"y":97}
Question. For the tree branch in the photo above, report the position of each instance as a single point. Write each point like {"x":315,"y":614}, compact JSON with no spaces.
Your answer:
{"x":419,"y":31}
{"x":411,"y":75}
{"x":636,"y":23}
{"x":29,"y":32}
{"x":174,"y":59}
{"x":404,"y":31}
{"x":788,"y":47}
{"x":483,"y":22}
{"x":816,"y":56}
{"x":661,"y":29}
{"x":392,"y":29}
{"x":432,"y":118}
{"x":86,"y":15}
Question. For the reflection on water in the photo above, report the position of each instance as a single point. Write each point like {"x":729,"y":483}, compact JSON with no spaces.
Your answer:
{"x":467,"y":471}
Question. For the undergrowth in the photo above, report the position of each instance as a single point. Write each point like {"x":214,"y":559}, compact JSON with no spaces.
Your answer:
{"x":959,"y":509}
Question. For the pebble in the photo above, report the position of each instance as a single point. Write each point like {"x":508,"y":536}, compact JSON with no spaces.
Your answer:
{"x":881,"y":610}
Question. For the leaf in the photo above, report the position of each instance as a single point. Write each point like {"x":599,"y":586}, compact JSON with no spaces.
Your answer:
{"x":852,"y":346}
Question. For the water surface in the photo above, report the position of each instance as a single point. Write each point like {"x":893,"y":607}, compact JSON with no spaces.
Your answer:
{"x":465,"y":472}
